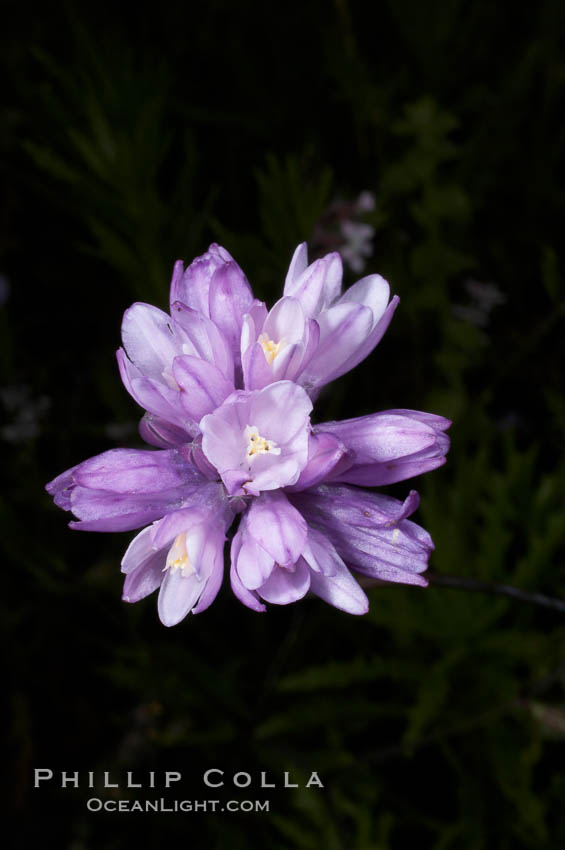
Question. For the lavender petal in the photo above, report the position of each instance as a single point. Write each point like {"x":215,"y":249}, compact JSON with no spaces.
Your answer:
{"x":206,"y":339}
{"x":343,"y":329}
{"x":340,"y":590}
{"x":277,"y":527}
{"x":248,"y":597}
{"x":158,"y":432}
{"x":203,"y":386}
{"x":148,"y":339}
{"x":369,"y":531}
{"x":178,"y":595}
{"x":254,"y":564}
{"x":146,"y":578}
{"x":388,"y":447}
{"x":230,"y":298}
{"x":325,"y":451}
{"x":284,"y":586}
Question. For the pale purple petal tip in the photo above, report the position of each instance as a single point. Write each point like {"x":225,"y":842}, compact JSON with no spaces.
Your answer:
{"x":248,"y":597}
{"x":178,"y":595}
{"x":146,"y":578}
{"x":162,"y":434}
{"x":286,"y":586}
{"x":340,"y":590}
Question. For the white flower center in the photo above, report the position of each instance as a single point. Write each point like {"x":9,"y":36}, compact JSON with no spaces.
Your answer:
{"x":178,"y":559}
{"x":270,"y":348}
{"x":257,"y":445}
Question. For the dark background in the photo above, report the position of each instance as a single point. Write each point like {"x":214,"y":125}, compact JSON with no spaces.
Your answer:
{"x":133,"y":137}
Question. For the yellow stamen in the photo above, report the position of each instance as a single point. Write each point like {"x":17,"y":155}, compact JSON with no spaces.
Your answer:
{"x":178,"y":559}
{"x":270,"y":348}
{"x":257,"y":445}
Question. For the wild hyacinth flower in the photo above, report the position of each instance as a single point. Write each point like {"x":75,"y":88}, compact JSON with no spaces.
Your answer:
{"x":24,"y":413}
{"x":315,"y":333}
{"x":226,"y":451}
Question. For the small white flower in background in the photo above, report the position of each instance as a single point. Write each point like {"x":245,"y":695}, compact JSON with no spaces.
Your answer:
{"x":24,"y":412}
{"x":339,"y":229}
{"x":120,"y":430}
{"x":358,"y":245}
{"x":366,"y":202}
{"x":484,"y":297}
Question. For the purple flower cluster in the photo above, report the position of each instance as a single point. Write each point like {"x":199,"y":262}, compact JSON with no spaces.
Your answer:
{"x":227,"y":389}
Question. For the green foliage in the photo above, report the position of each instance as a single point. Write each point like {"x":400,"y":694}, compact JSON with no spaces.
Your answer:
{"x":292,"y":195}
{"x":108,"y":136}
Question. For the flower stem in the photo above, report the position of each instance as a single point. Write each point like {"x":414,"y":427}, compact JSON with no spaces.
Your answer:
{"x":461,"y":583}
{"x":478,"y":586}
